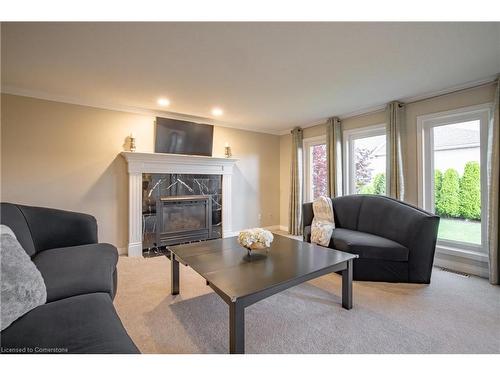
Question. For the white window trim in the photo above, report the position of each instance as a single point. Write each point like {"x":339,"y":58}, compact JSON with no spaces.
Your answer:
{"x":351,"y":135}
{"x":307,"y":143}
{"x":425,"y":177}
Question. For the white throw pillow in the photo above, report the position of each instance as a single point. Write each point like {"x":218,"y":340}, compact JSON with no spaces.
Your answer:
{"x":323,"y":221}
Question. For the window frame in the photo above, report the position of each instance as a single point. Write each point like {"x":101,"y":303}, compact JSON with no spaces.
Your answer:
{"x":307,"y":143}
{"x":425,"y":166}
{"x":351,"y":135}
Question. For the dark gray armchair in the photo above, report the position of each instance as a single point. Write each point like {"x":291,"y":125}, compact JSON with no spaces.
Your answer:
{"x":395,"y":241}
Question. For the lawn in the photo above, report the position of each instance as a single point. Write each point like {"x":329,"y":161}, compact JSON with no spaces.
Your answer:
{"x":460,"y":230}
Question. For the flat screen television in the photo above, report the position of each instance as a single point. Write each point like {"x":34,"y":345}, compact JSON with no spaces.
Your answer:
{"x":183,"y":137}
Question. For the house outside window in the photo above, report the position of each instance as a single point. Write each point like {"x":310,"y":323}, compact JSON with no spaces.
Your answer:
{"x":365,"y":160}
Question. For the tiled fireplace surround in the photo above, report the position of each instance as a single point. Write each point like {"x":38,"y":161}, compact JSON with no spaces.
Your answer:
{"x":171,"y":164}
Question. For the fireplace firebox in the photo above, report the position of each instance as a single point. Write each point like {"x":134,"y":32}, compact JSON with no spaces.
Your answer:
{"x":184,"y":219}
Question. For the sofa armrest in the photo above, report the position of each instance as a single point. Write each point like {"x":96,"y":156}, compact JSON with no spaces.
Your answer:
{"x":422,"y":246}
{"x":307,"y":217}
{"x":51,"y":228}
{"x":306,"y":234}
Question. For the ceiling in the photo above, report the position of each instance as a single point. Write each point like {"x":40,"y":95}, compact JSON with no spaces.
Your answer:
{"x":266,"y":76}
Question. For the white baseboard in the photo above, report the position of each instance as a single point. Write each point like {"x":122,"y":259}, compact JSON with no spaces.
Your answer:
{"x":122,"y":250}
{"x":452,"y":262}
{"x":461,"y":264}
{"x":473,"y":265}
{"x":134,"y":249}
{"x":277,"y":227}
{"x":272,"y":227}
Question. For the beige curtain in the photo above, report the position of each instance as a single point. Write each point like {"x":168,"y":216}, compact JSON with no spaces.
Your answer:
{"x":334,"y":156}
{"x":295,"y":214}
{"x":493,"y":169}
{"x":395,"y":122}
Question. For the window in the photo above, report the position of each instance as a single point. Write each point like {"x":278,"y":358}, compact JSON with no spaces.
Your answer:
{"x":316,"y":168}
{"x":365,"y":160}
{"x":452,"y":156}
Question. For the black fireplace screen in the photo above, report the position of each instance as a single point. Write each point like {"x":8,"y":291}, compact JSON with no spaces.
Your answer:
{"x":184,"y":217}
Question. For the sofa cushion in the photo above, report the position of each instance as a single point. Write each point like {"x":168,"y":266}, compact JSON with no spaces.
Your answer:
{"x":368,"y":246}
{"x":83,"y":324}
{"x":70,"y":271}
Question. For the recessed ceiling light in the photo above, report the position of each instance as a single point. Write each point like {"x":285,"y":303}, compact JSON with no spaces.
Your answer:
{"x":217,"y":111}
{"x":164,"y":102}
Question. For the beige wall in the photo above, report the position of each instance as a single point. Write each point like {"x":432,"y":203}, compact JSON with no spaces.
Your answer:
{"x":409,"y":134}
{"x":67,"y":156}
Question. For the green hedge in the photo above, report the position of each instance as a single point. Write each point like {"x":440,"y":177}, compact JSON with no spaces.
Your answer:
{"x":449,"y":195}
{"x":438,"y":182}
{"x":454,"y":195}
{"x":470,"y":192}
{"x":458,"y":197}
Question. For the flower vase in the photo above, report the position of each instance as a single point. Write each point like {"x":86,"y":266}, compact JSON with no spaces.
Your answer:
{"x":255,"y":246}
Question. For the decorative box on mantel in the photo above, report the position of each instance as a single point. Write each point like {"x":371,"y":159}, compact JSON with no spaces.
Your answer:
{"x":139,"y":163}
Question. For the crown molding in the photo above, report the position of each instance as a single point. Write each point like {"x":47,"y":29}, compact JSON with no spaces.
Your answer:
{"x":309,"y":125}
{"x":470,"y":85}
{"x":407,"y":100}
{"x":13,"y":90}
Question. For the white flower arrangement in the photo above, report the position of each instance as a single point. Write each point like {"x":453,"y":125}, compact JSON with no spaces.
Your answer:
{"x":255,"y":238}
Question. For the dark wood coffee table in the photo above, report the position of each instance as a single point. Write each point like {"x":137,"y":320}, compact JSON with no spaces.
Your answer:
{"x":242,"y":281}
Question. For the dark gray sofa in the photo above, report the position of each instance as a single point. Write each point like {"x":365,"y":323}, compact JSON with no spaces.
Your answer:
{"x":395,"y":241}
{"x":80,"y":276}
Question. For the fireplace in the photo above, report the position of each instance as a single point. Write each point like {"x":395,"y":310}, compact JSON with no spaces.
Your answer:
{"x":180,"y":208}
{"x":183,"y":219}
{"x":153,"y":176}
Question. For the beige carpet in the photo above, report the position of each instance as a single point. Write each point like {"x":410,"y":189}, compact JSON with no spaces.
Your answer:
{"x":452,"y":315}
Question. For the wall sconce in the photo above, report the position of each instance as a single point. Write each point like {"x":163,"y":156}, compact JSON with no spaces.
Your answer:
{"x":227,"y":150}
{"x":132,"y":142}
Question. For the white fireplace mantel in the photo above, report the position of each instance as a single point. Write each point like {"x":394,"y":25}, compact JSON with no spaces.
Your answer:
{"x":140,"y":162}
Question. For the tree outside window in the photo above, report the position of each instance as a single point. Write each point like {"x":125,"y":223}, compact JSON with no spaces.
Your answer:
{"x":369,"y":165}
{"x":319,"y":170}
